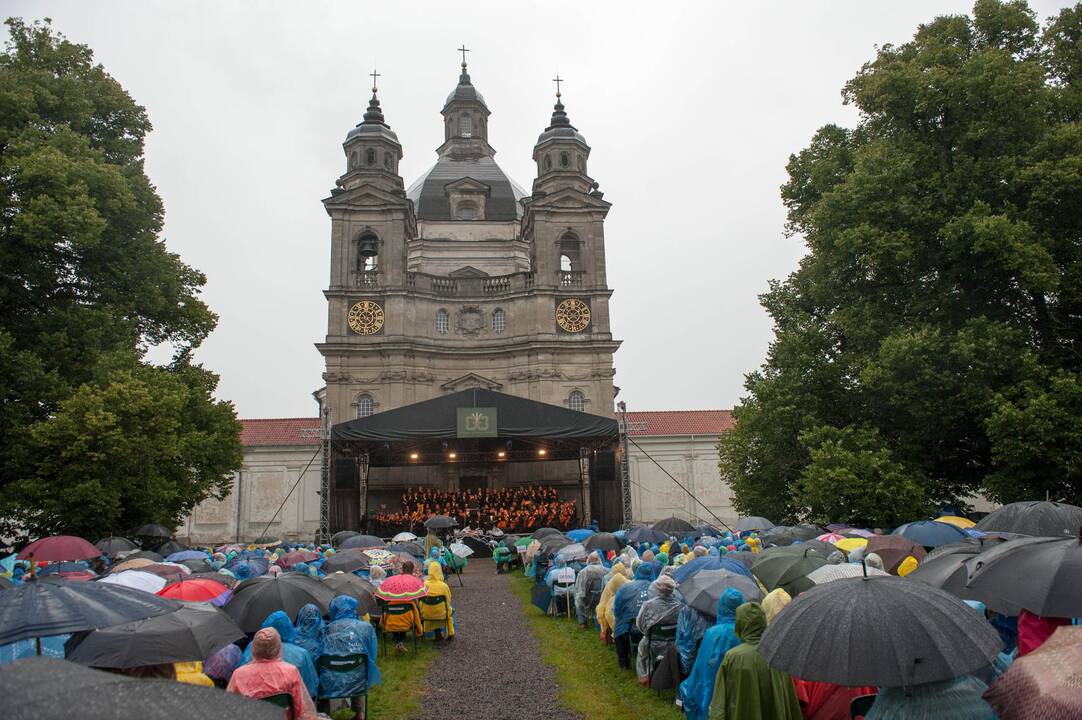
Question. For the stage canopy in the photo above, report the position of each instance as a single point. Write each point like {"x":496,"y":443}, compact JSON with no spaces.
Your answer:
{"x":481,"y":415}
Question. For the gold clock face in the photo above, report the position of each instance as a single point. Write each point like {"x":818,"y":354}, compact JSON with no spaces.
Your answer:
{"x":366,"y":318}
{"x":573,"y":315}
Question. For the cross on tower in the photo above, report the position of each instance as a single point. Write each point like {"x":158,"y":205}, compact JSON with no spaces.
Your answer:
{"x":558,"y":80}
{"x":463,"y":50}
{"x":374,"y":75}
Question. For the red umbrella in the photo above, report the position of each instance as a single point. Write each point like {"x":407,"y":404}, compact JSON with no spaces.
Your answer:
{"x":401,"y":587}
{"x":197,"y":590}
{"x":58,"y":548}
{"x":1043,"y":685}
{"x":297,"y":556}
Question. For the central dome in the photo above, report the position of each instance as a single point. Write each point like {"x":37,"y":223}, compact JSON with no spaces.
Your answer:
{"x":430,"y":198}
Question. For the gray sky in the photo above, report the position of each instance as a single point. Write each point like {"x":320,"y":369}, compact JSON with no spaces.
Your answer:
{"x":692,"y":110}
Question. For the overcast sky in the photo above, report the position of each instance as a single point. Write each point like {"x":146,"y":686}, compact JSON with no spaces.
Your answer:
{"x":692,"y":110}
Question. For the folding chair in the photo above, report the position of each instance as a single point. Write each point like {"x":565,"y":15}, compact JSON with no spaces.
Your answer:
{"x":282,"y":700}
{"x":861,"y":706}
{"x":395,"y":610}
{"x":440,"y":622}
{"x":659,"y":633}
{"x":344,"y":664}
{"x":568,"y":596}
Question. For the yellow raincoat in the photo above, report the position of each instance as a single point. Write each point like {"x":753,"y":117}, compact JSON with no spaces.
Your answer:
{"x":605,"y":617}
{"x":438,"y":588}
{"x":192,"y":673}
{"x":774,"y":602}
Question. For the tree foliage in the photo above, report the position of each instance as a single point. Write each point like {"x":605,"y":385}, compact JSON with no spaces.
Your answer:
{"x":939,"y":306}
{"x":92,"y":437}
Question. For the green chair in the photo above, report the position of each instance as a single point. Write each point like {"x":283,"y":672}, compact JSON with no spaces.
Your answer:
{"x":282,"y":700}
{"x":440,"y":622}
{"x":345,"y":664}
{"x":659,"y":633}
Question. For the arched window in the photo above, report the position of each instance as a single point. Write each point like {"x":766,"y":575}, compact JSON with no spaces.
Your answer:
{"x":365,"y":406}
{"x":467,"y":211}
{"x":499,"y":321}
{"x":443,"y":322}
{"x":576,"y":401}
{"x":370,"y":156}
{"x":465,"y":126}
{"x":565,"y":159}
{"x":565,"y":263}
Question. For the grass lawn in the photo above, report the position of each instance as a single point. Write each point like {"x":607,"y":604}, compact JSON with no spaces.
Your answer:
{"x":398,"y":696}
{"x":591,"y":683}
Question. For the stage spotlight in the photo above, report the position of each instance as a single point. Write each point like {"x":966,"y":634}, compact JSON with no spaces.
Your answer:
{"x":452,"y":456}
{"x":542,"y":452}
{"x":414,"y":456}
{"x":501,"y":453}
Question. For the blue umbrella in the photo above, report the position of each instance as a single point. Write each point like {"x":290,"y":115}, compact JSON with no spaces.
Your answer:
{"x":248,"y":568}
{"x":186,"y":555}
{"x":930,"y":533}
{"x":699,"y":564}
{"x":580,"y":534}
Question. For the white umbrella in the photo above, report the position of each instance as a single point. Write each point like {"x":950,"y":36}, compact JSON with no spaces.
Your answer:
{"x":461,"y":550}
{"x":830,"y":573}
{"x":404,"y":537}
{"x":136,"y":579}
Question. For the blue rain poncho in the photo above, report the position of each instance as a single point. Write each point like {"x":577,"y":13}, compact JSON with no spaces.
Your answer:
{"x":347,"y":635}
{"x":560,"y":572}
{"x":292,"y":653}
{"x":957,"y":699}
{"x":690,"y":628}
{"x":629,"y":599}
{"x":309,"y":630}
{"x":698,"y":689}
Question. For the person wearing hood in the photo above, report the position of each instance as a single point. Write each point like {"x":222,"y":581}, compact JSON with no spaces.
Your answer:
{"x":219,"y":667}
{"x":626,"y":604}
{"x":436,"y":587}
{"x":697,"y":690}
{"x":658,"y":611}
{"x":745,"y":686}
{"x":192,"y":673}
{"x":309,"y":630}
{"x":691,"y":625}
{"x":605,"y":617}
{"x":291,"y":653}
{"x":267,"y":674}
{"x":588,"y":587}
{"x":348,"y":635}
{"x":432,"y":541}
{"x":560,"y":572}
{"x":958,"y":699}
{"x":774,"y":602}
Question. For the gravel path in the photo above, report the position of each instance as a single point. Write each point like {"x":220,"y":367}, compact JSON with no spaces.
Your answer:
{"x":493,"y":669}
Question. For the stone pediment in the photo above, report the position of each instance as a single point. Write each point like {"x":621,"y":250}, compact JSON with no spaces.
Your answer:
{"x":365,"y":196}
{"x":470,"y":380}
{"x":468,"y":271}
{"x":467,"y":185}
{"x":570,"y":198}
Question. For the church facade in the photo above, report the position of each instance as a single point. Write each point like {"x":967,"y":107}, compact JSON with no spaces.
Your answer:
{"x":463,"y":279}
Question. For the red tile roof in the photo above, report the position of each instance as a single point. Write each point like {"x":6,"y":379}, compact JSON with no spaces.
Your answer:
{"x":279,"y":431}
{"x":305,"y":431}
{"x":653,"y":423}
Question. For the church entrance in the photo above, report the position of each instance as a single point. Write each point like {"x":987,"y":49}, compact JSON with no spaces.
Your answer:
{"x":473,"y":482}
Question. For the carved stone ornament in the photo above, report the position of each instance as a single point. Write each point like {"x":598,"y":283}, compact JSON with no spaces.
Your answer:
{"x":470,"y":320}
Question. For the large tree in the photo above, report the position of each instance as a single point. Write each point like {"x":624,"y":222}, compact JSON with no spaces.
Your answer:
{"x":935,"y":324}
{"x":93,"y":438}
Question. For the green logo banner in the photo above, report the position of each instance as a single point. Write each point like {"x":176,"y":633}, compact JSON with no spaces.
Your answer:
{"x":476,"y":422}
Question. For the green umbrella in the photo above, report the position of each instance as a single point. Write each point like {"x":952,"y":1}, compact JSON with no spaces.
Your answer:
{"x":787,"y":568}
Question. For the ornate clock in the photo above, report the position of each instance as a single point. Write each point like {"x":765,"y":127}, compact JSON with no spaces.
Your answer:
{"x":366,"y":318}
{"x":573,"y":315}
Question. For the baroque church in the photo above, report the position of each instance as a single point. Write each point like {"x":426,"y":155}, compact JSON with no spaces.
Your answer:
{"x":463,"y":281}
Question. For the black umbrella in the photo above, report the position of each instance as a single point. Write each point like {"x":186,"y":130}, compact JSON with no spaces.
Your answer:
{"x":410,"y":548}
{"x":820,"y":546}
{"x":949,"y":572}
{"x":674,"y":526}
{"x":439,"y":522}
{"x":339,"y":537}
{"x":113,"y":545}
{"x":603,"y":542}
{"x":553,"y":543}
{"x":362,"y":541}
{"x":745,"y":557}
{"x":480,"y":548}
{"x":704,"y":529}
{"x":197,"y":566}
{"x":703,"y":589}
{"x":883,"y":631}
{"x":1038,"y":518}
{"x":153,"y":530}
{"x":787,"y":568}
{"x":356,"y":587}
{"x":1040,"y":574}
{"x":169,"y":547}
{"x":778,"y":536}
{"x":345,"y":561}
{"x":38,"y":609}
{"x":194,"y":632}
{"x":545,"y":532}
{"x":754,"y":522}
{"x":43,"y":688}
{"x":255,"y":599}
{"x":644,"y":534}
{"x":807,"y":531}
{"x":969,"y":546}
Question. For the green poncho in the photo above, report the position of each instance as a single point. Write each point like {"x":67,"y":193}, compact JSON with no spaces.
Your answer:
{"x":746,"y":687}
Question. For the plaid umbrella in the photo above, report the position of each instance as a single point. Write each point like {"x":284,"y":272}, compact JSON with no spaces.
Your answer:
{"x":1046,"y":684}
{"x":401,"y":587}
